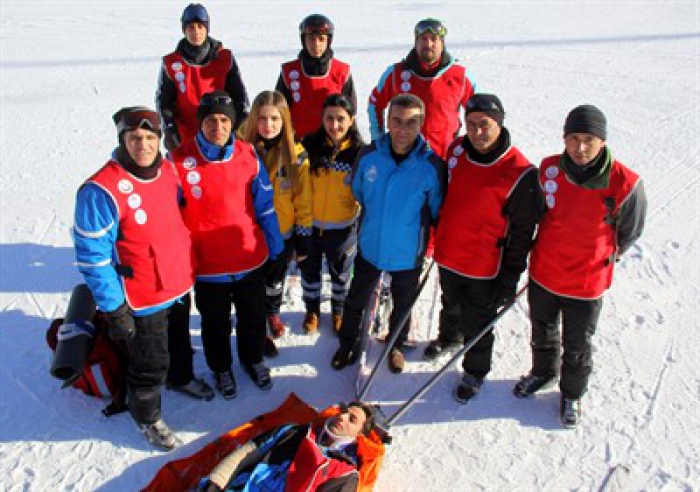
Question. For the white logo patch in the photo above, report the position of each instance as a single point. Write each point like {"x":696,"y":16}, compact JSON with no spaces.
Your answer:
{"x":550,"y":186}
{"x":452,"y":162}
{"x":406,"y":86}
{"x":459,"y":150}
{"x":196,"y":192}
{"x":176,"y":66}
{"x":551,"y":172}
{"x":134,"y":201}
{"x":550,"y":201}
{"x":293,"y":75}
{"x":140,"y":216}
{"x":193,"y":177}
{"x":125,"y":186}
{"x":295,"y":85}
{"x":405,"y":75}
{"x":372,"y":174}
{"x":180,"y":77}
{"x":189,"y":163}
{"x":296,"y":96}
{"x":183,"y":87}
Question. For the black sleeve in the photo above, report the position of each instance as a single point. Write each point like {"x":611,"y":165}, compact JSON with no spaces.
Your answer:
{"x":632,"y":218}
{"x":349,"y":92}
{"x":166,"y":96}
{"x":346,"y":483}
{"x":282,"y":88}
{"x":235,"y":88}
{"x":524,"y":208}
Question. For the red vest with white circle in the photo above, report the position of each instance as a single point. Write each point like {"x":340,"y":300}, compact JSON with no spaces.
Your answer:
{"x":153,"y":248}
{"x":574,"y":252}
{"x":219,"y":210}
{"x":309,"y":92}
{"x":471,"y":233}
{"x":442,"y":96}
{"x":191,"y":83}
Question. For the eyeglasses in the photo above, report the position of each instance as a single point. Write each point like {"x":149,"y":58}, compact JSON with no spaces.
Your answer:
{"x":210,"y":100}
{"x":482,"y":105}
{"x":139,"y":119}
{"x":432,"y":25}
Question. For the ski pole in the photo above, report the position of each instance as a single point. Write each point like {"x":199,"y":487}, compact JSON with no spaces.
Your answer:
{"x":389,"y":342}
{"x":431,"y":382}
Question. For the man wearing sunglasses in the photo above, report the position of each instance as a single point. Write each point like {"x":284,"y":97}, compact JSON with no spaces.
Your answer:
{"x":307,"y":81}
{"x":135,"y":253}
{"x":429,"y":72}
{"x":228,"y":208}
{"x":484,"y":235}
{"x":199,"y":64}
{"x":299,"y":457}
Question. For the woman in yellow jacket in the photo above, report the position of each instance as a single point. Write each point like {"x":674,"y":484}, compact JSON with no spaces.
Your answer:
{"x":269,"y":129}
{"x":332,"y":150}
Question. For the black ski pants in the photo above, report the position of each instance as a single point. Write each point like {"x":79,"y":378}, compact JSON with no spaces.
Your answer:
{"x":213,"y":301}
{"x":579,"y":319}
{"x":181,"y":369}
{"x":474,"y":300}
{"x":404,"y":284}
{"x":275,"y":275}
{"x":147,"y":367}
{"x":339,"y":246}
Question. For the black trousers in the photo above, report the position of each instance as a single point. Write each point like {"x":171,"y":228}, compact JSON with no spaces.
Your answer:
{"x":340,"y":247}
{"x":474,"y":300}
{"x":147,"y":367}
{"x":276,"y":273}
{"x":213,"y":301}
{"x":181,"y":369}
{"x":579,"y":319}
{"x":403,"y":287}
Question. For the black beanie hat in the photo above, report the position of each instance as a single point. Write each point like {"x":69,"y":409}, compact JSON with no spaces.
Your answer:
{"x":217,"y":102}
{"x":586,"y":119}
{"x":132,"y":117}
{"x":488,"y":104}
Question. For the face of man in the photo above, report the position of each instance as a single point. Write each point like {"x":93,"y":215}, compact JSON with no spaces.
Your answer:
{"x":482,"y":131}
{"x":316,"y":44}
{"x":142,"y":145}
{"x":348,"y":423}
{"x":196,"y":33}
{"x":336,"y":122}
{"x":269,"y":122}
{"x":404,"y":126}
{"x":583,"y":147}
{"x":217,"y":128}
{"x":429,"y":47}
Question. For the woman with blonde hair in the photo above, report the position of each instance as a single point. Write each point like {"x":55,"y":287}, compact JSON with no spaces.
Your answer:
{"x":269,"y":129}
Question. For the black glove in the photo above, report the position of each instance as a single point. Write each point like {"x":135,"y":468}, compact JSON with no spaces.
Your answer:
{"x":121,"y":323}
{"x":171,"y":140}
{"x":506,"y":287}
{"x":302,"y":245}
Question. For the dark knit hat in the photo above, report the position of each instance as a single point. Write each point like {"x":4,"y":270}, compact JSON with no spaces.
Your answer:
{"x":132,"y":117}
{"x":586,"y":119}
{"x":217,"y":102}
{"x":488,"y":104}
{"x":194,"y":12}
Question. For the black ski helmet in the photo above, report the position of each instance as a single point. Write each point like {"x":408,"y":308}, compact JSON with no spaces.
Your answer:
{"x":194,"y":12}
{"x":316,"y":23}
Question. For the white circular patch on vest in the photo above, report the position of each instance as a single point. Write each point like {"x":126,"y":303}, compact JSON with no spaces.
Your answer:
{"x":449,"y":175}
{"x":140,"y":216}
{"x":189,"y":163}
{"x":551,"y":172}
{"x":295,"y":85}
{"x":372,"y":174}
{"x":405,"y":75}
{"x":293,"y":75}
{"x":193,"y":177}
{"x":134,"y":200}
{"x":452,"y":162}
{"x":125,"y":186}
{"x":373,"y":99}
{"x":459,"y":150}
{"x":550,"y":201}
{"x":183,"y":87}
{"x":176,"y":66}
{"x":550,"y":186}
{"x":296,"y":96}
{"x":180,"y":77}
{"x":406,"y":86}
{"x":196,"y":192}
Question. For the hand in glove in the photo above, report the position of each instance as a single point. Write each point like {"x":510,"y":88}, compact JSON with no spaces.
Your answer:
{"x":171,"y":140}
{"x":302,"y":247}
{"x":506,"y":288}
{"x":121,"y":323}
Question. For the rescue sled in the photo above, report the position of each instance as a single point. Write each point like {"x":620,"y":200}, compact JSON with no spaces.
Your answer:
{"x":184,"y":474}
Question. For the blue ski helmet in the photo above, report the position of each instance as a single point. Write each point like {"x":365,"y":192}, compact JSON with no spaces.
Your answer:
{"x":195,"y":12}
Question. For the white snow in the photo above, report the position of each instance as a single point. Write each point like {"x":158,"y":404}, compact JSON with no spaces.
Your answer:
{"x":67,"y":66}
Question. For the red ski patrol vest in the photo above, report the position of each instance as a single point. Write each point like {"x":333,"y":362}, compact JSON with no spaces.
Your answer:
{"x":154,"y":248}
{"x":309,"y":92}
{"x":472,"y":229}
{"x":574,"y":252}
{"x":219,"y":209}
{"x":192,"y":82}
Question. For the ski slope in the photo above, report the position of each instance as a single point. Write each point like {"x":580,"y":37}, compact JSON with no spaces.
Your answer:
{"x":67,"y":66}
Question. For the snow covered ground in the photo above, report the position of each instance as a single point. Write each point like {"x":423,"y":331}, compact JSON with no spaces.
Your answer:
{"x":67,"y":66}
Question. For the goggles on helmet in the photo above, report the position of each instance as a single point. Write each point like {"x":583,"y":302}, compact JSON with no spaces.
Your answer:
{"x":430,"y":25}
{"x":140,"y":118}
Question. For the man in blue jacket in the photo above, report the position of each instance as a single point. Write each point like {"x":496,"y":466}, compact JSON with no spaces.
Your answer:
{"x":399,"y":182}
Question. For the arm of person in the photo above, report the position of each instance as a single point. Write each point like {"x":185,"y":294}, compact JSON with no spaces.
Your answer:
{"x":95,"y":234}
{"x":436,"y":192}
{"x":246,"y":455}
{"x":356,"y":176}
{"x":236,"y":89}
{"x":166,"y":96}
{"x":632,"y":218}
{"x":265,"y":211}
{"x":303,"y":206}
{"x":282,"y":88}
{"x":378,"y":101}
{"x":349,"y":91}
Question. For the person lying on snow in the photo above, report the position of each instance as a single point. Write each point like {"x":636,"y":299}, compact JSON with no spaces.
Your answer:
{"x":298,"y":457}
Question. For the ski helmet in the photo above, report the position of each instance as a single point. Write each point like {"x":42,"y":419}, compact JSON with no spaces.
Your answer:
{"x":316,"y":24}
{"x":430,"y":25}
{"x":217,"y":102}
{"x":195,"y":12}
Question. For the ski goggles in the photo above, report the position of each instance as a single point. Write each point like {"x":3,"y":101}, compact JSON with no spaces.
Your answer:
{"x":478,"y":104}
{"x":213,"y":100}
{"x":430,"y":25}
{"x":139,"y":118}
{"x":321,"y":30}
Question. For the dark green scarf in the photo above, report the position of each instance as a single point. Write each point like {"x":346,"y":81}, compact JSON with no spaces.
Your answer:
{"x":593,"y":176}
